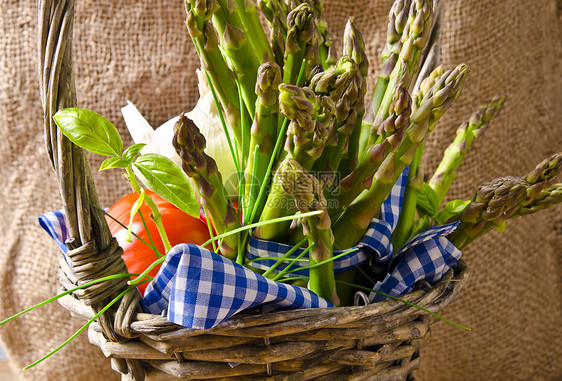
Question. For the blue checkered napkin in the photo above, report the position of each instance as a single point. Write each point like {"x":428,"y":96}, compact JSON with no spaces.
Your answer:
{"x":427,"y":256}
{"x":55,"y":225}
{"x":199,"y":289}
{"x":375,"y":244}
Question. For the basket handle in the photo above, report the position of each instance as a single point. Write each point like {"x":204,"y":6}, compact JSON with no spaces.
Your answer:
{"x":93,"y":251}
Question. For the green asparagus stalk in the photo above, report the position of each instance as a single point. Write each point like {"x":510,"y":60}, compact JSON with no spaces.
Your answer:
{"x":391,"y":131}
{"x":309,"y":196}
{"x":264,"y":128}
{"x":491,"y":205}
{"x":397,"y":33}
{"x":222,"y":79}
{"x":445,"y":173}
{"x":397,"y":21}
{"x":239,"y":51}
{"x":545,"y":199}
{"x":345,"y":85}
{"x":414,"y":38}
{"x":301,"y":42}
{"x":279,"y":204}
{"x":328,"y":54}
{"x":254,"y":30}
{"x":311,"y":121}
{"x":354,"y":47}
{"x":276,"y":11}
{"x":405,"y":226}
{"x":507,"y":197}
{"x":543,"y":176}
{"x":190,"y":145}
{"x":356,"y":218}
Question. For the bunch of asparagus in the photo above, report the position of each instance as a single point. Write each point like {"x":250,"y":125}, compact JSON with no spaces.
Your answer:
{"x":298,"y":127}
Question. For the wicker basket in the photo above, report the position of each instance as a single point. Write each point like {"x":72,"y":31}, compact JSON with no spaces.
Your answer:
{"x":378,"y":341}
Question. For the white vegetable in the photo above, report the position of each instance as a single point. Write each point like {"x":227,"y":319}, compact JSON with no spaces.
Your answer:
{"x":204,"y":115}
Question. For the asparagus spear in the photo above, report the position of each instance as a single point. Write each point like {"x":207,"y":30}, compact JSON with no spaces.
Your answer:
{"x":222,"y":78}
{"x":309,"y":196}
{"x":496,"y":201}
{"x":397,"y":21}
{"x":345,"y":85}
{"x":264,"y":127}
{"x":401,"y":59}
{"x":254,"y":30}
{"x":301,"y":42}
{"x":311,"y":119}
{"x":328,"y":54}
{"x":238,"y":49}
{"x":276,"y":11}
{"x":190,"y":146}
{"x":354,"y":47}
{"x":490,"y":206}
{"x":409,"y":28}
{"x":279,"y":204}
{"x":356,"y":218}
{"x":543,"y":176}
{"x":445,"y":173}
{"x":391,"y":131}
{"x":403,"y":230}
{"x":544,"y":199}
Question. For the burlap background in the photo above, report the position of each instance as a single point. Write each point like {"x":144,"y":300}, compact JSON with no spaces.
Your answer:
{"x":139,"y":50}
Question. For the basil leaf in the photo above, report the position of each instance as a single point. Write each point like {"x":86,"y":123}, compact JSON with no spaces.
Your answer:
{"x":427,"y":203}
{"x":132,"y":152}
{"x":90,"y":131}
{"x":452,"y":209}
{"x":114,"y":162}
{"x":162,"y":176}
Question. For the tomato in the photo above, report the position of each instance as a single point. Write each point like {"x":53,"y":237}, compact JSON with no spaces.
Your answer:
{"x":180,"y":228}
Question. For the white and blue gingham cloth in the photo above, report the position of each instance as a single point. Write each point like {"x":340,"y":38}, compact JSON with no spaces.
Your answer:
{"x":199,"y":289}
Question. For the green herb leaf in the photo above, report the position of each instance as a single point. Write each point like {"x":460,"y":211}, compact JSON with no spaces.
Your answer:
{"x":132,"y":152}
{"x":90,"y":131}
{"x":162,"y":176}
{"x":428,"y":203}
{"x":114,"y":162}
{"x":452,"y":209}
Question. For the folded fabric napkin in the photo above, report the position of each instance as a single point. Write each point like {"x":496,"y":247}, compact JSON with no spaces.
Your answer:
{"x":199,"y":289}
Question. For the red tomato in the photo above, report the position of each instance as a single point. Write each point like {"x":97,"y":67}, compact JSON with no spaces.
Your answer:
{"x":180,"y":228}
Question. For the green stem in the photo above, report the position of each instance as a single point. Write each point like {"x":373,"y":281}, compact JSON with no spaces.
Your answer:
{"x":157,"y":218}
{"x":286,"y":269}
{"x":254,"y":225}
{"x":405,"y":225}
{"x":215,"y":248}
{"x":158,"y":254}
{"x":67,"y":292}
{"x":152,"y":246}
{"x":276,"y":149}
{"x":284,"y":258}
{"x":156,"y":215}
{"x":233,"y":152}
{"x":105,"y":308}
